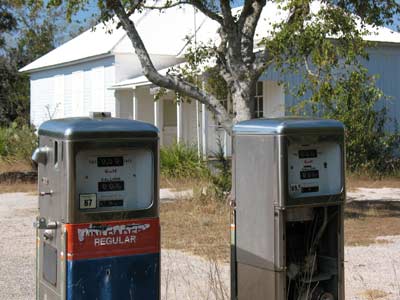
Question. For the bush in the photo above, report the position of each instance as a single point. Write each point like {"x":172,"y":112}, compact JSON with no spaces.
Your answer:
{"x":182,"y":162}
{"x":222,"y":179}
{"x":17,"y":143}
{"x":179,"y":161}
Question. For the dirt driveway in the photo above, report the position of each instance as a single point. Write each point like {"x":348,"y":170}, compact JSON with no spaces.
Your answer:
{"x":370,"y":270}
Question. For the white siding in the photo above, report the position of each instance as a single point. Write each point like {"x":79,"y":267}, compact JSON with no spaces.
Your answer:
{"x":98,"y":92}
{"x":73,"y":90}
{"x":274,"y":99}
{"x":145,"y":105}
{"x":42,"y":94}
{"x":77,"y":93}
{"x":124,"y":104}
{"x":59,"y":96}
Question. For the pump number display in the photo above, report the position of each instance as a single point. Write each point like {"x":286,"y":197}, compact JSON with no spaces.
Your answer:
{"x":112,"y":161}
{"x":87,"y":201}
{"x":111,"y":186}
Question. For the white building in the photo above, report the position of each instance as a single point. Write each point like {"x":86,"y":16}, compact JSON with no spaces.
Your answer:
{"x":98,"y":71}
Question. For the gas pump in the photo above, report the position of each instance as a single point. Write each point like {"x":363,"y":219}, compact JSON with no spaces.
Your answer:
{"x":289,"y":193}
{"x":98,"y":232}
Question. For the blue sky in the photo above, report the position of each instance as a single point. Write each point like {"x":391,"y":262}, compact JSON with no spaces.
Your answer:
{"x":92,"y":8}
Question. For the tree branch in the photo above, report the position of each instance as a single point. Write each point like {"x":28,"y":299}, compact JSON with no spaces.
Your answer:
{"x":247,"y":26}
{"x":168,"y":82}
{"x":196,"y":3}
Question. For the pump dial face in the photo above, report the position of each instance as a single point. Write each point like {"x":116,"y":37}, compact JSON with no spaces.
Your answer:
{"x":314,"y":169}
{"x":114,"y":179}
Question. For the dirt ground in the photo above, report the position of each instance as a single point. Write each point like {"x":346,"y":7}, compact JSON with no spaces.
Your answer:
{"x":372,"y":270}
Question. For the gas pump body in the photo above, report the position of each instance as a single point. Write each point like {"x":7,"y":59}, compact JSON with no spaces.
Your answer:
{"x":98,"y":234}
{"x":289,"y":191}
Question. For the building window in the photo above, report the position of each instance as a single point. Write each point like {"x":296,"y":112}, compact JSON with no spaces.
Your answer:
{"x":259,"y":105}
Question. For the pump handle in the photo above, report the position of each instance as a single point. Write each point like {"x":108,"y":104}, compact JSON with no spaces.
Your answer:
{"x":40,"y":155}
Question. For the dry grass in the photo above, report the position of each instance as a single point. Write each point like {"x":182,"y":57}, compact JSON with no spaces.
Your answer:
{"x":199,"y":226}
{"x":367,"y":220}
{"x":181,"y":184}
{"x":374,"y":294}
{"x":14,"y":166}
{"x":18,"y":188}
{"x":356,"y":181}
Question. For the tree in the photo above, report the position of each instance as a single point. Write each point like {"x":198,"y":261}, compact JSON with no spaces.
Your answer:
{"x":296,"y":42}
{"x":27,"y":33}
{"x":7,"y":20}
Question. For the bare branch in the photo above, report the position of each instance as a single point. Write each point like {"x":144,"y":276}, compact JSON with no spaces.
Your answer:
{"x":308,"y":69}
{"x":168,"y":82}
{"x":196,"y":3}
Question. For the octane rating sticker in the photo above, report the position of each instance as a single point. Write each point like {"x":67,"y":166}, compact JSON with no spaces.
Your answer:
{"x":87,"y":201}
{"x":295,"y":188}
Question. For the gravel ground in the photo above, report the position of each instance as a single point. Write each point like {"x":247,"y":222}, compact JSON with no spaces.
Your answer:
{"x":184,"y":276}
{"x":381,"y":194}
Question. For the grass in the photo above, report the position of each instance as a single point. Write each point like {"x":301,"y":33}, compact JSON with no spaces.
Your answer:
{"x":367,"y":220}
{"x":374,"y":294}
{"x":198,"y":225}
{"x":356,"y":181}
{"x":18,"y":188}
{"x":14,"y":166}
{"x":201,"y":225}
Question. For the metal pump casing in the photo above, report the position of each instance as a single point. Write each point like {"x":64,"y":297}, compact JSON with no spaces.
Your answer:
{"x":98,"y":231}
{"x":288,"y":177}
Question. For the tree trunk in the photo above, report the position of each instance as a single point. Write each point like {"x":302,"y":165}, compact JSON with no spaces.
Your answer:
{"x":243,"y":101}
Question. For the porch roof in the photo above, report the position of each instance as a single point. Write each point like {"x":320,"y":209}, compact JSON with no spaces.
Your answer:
{"x":134,"y":82}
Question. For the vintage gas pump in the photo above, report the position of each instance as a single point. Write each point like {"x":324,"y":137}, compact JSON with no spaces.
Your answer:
{"x":98,"y":234}
{"x":289,"y":192}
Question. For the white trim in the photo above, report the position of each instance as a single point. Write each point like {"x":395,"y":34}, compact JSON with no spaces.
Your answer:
{"x":65,"y":64}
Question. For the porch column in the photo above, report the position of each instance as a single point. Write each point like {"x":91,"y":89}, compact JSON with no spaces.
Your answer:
{"x":179,"y":119}
{"x":117,"y":105}
{"x":156,"y":113}
{"x":225,"y":143}
{"x":134,"y":105}
{"x":204,"y":129}
{"x":158,"y":122}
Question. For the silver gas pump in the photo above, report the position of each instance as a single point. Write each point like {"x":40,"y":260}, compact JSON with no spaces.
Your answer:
{"x":289,"y":193}
{"x":98,"y":233}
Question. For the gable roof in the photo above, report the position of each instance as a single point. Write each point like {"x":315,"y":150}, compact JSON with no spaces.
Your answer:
{"x":163,"y":33}
{"x":166,"y":33}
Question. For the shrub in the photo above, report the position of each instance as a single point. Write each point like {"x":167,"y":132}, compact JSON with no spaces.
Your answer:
{"x":17,"y":142}
{"x":179,"y":161}
{"x":222,"y":179}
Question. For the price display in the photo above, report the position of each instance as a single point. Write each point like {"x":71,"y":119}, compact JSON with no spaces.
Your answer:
{"x":114,"y":161}
{"x":311,"y":153}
